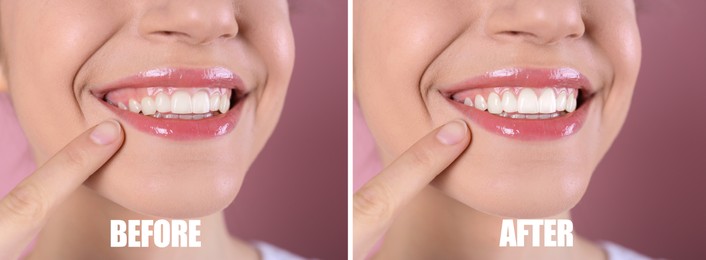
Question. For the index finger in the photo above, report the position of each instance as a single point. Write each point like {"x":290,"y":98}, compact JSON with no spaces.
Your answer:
{"x":24,"y":209}
{"x":377,"y":202}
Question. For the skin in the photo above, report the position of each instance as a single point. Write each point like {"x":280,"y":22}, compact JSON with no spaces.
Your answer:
{"x":108,"y":40}
{"x":405,"y":51}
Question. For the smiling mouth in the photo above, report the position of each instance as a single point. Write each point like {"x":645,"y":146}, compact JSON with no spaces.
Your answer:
{"x":174,"y":102}
{"x":524,"y":102}
{"x":178,"y":103}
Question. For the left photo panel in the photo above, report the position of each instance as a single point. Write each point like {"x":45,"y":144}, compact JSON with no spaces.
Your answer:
{"x":173,"y":129}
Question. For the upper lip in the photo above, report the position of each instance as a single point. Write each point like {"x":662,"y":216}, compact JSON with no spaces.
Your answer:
{"x":213,"y":77}
{"x":524,"y":77}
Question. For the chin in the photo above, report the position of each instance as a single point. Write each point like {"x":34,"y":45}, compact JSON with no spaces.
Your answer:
{"x":515,"y":192}
{"x":511,"y":179}
{"x":169,"y":179}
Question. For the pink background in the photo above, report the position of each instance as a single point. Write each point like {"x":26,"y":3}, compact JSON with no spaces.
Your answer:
{"x":649,"y":192}
{"x":295,"y":193}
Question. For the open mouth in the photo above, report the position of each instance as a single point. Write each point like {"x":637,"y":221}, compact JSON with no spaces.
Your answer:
{"x":174,"y":103}
{"x":177,"y":103}
{"x":528,"y":104}
{"x":523,"y":102}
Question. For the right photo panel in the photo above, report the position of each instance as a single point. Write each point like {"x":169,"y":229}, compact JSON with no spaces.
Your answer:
{"x":521,"y":129}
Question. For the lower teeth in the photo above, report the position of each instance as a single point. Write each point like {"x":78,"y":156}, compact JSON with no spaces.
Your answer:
{"x":184,"y":117}
{"x":531,"y":116}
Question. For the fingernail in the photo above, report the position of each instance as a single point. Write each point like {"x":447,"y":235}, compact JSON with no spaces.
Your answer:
{"x":452,"y":133}
{"x":106,"y":132}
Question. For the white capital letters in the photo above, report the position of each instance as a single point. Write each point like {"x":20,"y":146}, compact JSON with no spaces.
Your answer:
{"x":118,"y":238}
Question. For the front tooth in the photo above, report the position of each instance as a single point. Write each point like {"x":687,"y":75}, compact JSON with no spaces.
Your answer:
{"x":148,"y":106}
{"x":509,"y":102}
{"x":200,"y":103}
{"x":215,"y":98}
{"x":494,"y":106}
{"x":561,"y":102}
{"x":480,"y":103}
{"x":181,"y":102}
{"x":225,"y":104}
{"x":163,"y":103}
{"x":134,"y":106}
{"x":571,"y":103}
{"x":547,"y":101}
{"x":122,"y":106}
{"x":527,"y":102}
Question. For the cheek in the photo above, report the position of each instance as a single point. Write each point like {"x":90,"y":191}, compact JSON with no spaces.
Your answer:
{"x":623,"y":47}
{"x":40,"y":77}
{"x":397,"y":51}
{"x":276,"y":49}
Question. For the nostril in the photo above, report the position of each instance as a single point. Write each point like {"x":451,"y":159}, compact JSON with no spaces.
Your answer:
{"x":227,"y":36}
{"x":574,"y":36}
{"x":170,"y":33}
{"x":519,"y":34}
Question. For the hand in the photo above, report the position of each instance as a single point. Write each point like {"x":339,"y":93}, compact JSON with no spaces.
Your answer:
{"x":376,"y":204}
{"x":26,"y":208}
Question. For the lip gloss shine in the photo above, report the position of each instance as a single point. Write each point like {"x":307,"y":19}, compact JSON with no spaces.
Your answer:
{"x":526,"y":129}
{"x":179,"y":129}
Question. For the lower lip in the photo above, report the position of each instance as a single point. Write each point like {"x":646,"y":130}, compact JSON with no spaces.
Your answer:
{"x":179,"y":129}
{"x":528,"y":129}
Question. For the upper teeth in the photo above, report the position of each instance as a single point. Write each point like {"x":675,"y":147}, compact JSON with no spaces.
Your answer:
{"x":180,"y":102}
{"x":527,"y":102}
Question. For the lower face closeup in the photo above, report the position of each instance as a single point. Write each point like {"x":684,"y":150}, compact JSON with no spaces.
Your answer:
{"x":197,"y":87}
{"x":544,"y":87}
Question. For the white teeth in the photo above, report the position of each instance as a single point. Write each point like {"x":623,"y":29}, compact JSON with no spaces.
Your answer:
{"x":509,"y":102}
{"x":468,"y":102}
{"x":163,"y":103}
{"x":571,"y":103}
{"x":547,"y":101}
{"x":148,"y":106}
{"x":527,"y":105}
{"x":134,"y":106}
{"x":480,"y":103}
{"x":225,"y":104}
{"x":215,"y":99}
{"x":561,"y":101}
{"x":494,"y":106}
{"x":200,"y":103}
{"x":527,"y":102}
{"x":181,"y":103}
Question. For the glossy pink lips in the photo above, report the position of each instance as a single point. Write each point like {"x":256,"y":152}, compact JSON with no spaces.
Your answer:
{"x":179,"y":129}
{"x":526,"y":129}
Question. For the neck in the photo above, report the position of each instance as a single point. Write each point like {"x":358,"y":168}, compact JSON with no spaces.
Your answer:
{"x":80,"y":229}
{"x":435,"y":226}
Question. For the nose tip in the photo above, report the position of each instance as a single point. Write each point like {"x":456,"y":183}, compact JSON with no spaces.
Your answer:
{"x":191,"y":22}
{"x":538,"y":22}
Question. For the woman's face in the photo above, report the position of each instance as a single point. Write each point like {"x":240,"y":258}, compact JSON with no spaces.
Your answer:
{"x":512,"y":70}
{"x":221,"y":67}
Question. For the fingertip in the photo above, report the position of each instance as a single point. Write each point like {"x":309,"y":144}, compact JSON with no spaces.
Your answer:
{"x":106,"y":132}
{"x":453,"y":132}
